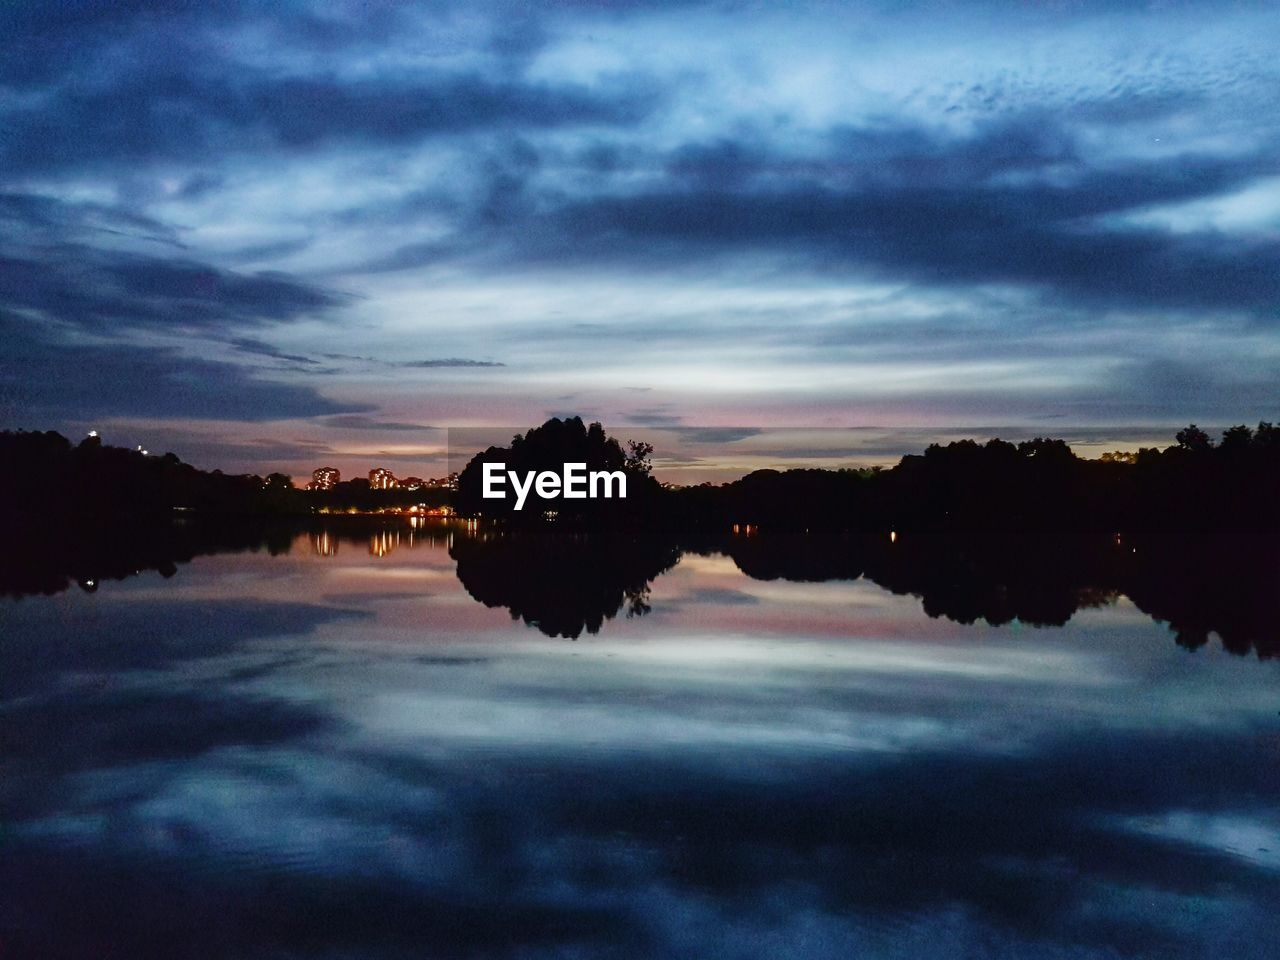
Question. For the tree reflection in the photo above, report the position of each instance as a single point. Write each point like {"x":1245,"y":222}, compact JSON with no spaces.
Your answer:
{"x":1197,"y":585}
{"x":563,"y":584}
{"x":50,"y":558}
{"x":567,"y":584}
{"x":46,"y":558}
{"x":1035,"y":581}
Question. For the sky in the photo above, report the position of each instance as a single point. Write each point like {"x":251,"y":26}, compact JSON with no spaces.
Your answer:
{"x":275,"y":236}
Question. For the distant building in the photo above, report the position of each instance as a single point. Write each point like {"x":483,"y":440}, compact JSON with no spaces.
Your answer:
{"x":413,"y":483}
{"x":326,"y":478}
{"x":380,"y":478}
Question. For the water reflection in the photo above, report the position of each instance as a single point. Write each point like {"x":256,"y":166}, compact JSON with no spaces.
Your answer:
{"x":563,"y":585}
{"x":324,"y":543}
{"x":309,"y":750}
{"x":47,"y":559}
{"x":568,"y":585}
{"x":1228,"y":586}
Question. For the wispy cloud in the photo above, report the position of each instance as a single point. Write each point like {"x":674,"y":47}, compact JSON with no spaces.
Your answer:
{"x":357,"y":422}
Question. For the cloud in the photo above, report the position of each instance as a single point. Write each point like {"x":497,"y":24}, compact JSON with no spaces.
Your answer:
{"x":33,"y":218}
{"x":207,"y":451}
{"x":44,"y":379}
{"x":168,"y":87}
{"x":658,"y":418}
{"x":263,"y":349}
{"x":442,"y":363}
{"x":715,"y":434}
{"x":92,"y":266}
{"x":626,"y":195}
{"x":1245,"y":388}
{"x":1015,"y":201}
{"x":415,"y":364}
{"x":1043,"y":236}
{"x":447,"y":362}
{"x":356,"y":422}
{"x":75,"y":294}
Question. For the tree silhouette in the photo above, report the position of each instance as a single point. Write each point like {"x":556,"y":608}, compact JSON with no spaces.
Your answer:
{"x":1193,"y":438}
{"x":549,"y":447}
{"x":563,"y":584}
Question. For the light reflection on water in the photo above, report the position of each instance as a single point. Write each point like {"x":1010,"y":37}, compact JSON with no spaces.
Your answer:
{"x":345,"y":750}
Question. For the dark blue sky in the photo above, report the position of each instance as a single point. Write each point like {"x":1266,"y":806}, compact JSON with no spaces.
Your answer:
{"x":273,"y":235}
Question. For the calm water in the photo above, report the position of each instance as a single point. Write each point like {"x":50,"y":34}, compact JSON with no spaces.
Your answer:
{"x":380,"y":743}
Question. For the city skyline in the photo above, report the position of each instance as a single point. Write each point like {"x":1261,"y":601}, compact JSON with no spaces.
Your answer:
{"x":269,"y":238}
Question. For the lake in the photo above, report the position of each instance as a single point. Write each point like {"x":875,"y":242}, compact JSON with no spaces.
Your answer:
{"x":382,"y":740}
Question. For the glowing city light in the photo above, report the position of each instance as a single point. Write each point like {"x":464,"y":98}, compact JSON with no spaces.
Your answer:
{"x":325,"y":478}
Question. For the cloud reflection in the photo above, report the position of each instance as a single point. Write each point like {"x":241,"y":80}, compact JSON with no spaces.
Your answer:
{"x":212,"y":777}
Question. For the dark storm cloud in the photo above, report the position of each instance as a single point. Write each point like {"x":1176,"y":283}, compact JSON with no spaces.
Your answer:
{"x":43,"y":379}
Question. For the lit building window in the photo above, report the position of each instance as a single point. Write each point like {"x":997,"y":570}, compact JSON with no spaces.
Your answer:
{"x":326,"y":478}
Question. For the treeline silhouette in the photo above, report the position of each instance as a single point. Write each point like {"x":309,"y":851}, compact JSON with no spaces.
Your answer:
{"x":1193,"y":486}
{"x":46,"y":475}
{"x":1040,"y":485}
